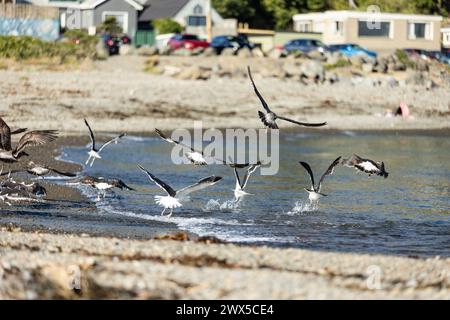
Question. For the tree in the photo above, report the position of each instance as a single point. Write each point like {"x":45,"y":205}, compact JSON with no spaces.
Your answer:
{"x":283,"y":11}
{"x":167,"y":25}
{"x":317,"y":5}
{"x":111,"y":26}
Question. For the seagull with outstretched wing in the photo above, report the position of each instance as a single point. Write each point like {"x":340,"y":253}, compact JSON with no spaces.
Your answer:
{"x":314,"y":191}
{"x":29,"y":139}
{"x":173,"y":198}
{"x":239,"y":190}
{"x":197,"y":157}
{"x":269,"y":118}
{"x":366,"y":165}
{"x":94,"y":153}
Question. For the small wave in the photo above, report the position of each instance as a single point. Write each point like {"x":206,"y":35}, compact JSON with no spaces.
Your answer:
{"x":214,"y":205}
{"x":302,"y":207}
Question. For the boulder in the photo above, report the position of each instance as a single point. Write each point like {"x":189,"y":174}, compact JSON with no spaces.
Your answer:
{"x":197,"y":51}
{"x":257,"y":52}
{"x":244,"y":53}
{"x":209,"y":52}
{"x":331,"y":77}
{"x":125,"y":49}
{"x":101,"y":53}
{"x":276,"y":53}
{"x":312,"y":70}
{"x":333,"y":57}
{"x":381,"y":67}
{"x":316,"y":55}
{"x":367,"y":67}
{"x":182,"y":52}
{"x":147,"y":51}
{"x":357,"y":60}
{"x":171,"y":70}
{"x":227,"y":52}
{"x":194,"y":73}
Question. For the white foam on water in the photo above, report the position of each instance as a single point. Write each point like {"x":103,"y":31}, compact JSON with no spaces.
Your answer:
{"x":302,"y":207}
{"x":214,"y":205}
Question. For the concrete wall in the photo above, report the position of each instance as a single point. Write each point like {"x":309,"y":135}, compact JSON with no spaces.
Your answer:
{"x":268,"y":42}
{"x":46,"y":29}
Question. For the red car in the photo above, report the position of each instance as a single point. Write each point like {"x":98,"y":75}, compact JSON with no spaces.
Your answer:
{"x":186,"y":41}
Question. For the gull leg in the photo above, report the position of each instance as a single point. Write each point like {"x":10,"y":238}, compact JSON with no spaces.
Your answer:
{"x":92,"y":162}
{"x":162,"y":213}
{"x":87,"y":161}
{"x":170,"y":214}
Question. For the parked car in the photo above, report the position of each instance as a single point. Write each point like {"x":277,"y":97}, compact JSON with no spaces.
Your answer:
{"x":112,"y":43}
{"x":351,"y":49}
{"x":186,"y":41}
{"x":305,"y":45}
{"x":234,"y":42}
{"x":412,"y":52}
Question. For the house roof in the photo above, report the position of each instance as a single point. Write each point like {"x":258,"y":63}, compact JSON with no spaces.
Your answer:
{"x":88,"y":4}
{"x":364,"y":15}
{"x":156,"y":9}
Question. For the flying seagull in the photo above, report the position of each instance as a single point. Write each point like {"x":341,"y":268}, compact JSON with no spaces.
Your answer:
{"x":240,"y":185}
{"x":174,"y":198}
{"x":101,"y":184}
{"x":197,"y":157}
{"x":270,"y":117}
{"x":314,"y":192}
{"x":366,"y":165}
{"x":29,"y":139}
{"x":5,"y":134}
{"x":94,"y":153}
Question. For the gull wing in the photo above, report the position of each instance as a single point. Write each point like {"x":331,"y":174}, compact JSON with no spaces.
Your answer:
{"x":159,"y":182}
{"x":263,"y":102}
{"x":201,"y":184}
{"x":329,"y":172}
{"x":306,"y":124}
{"x":250,"y":170}
{"x":167,"y":139}
{"x":311,"y":175}
{"x":115,"y":140}
{"x":91,"y":134}
{"x":35,"y":138}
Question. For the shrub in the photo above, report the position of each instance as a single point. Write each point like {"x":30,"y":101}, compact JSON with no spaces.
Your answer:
{"x":110,"y":25}
{"x":339,"y":64}
{"x":25,"y":47}
{"x":167,"y":25}
{"x":402,"y":56}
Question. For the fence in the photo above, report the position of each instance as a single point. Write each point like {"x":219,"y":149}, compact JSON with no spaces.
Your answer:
{"x":29,"y":20}
{"x":26,"y":11}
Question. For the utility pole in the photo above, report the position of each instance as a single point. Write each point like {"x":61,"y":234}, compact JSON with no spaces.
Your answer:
{"x":209,"y":20}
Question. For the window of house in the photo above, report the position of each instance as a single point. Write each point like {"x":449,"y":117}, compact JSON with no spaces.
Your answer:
{"x":121,"y":18}
{"x":195,"y":21}
{"x":419,"y":30}
{"x":374,"y":29}
{"x":304,"y":26}
{"x":198,"y":10}
{"x":338,"y":27}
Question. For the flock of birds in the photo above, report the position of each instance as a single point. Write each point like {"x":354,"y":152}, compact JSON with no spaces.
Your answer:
{"x":12,"y":190}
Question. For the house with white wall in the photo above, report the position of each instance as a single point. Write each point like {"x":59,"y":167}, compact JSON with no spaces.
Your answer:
{"x":376,"y":31}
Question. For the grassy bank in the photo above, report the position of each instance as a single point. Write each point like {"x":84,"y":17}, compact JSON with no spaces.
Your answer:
{"x":74,"y":47}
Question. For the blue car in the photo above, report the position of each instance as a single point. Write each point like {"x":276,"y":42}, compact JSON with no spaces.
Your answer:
{"x":351,"y":49}
{"x":305,"y":45}
{"x":234,"y":42}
